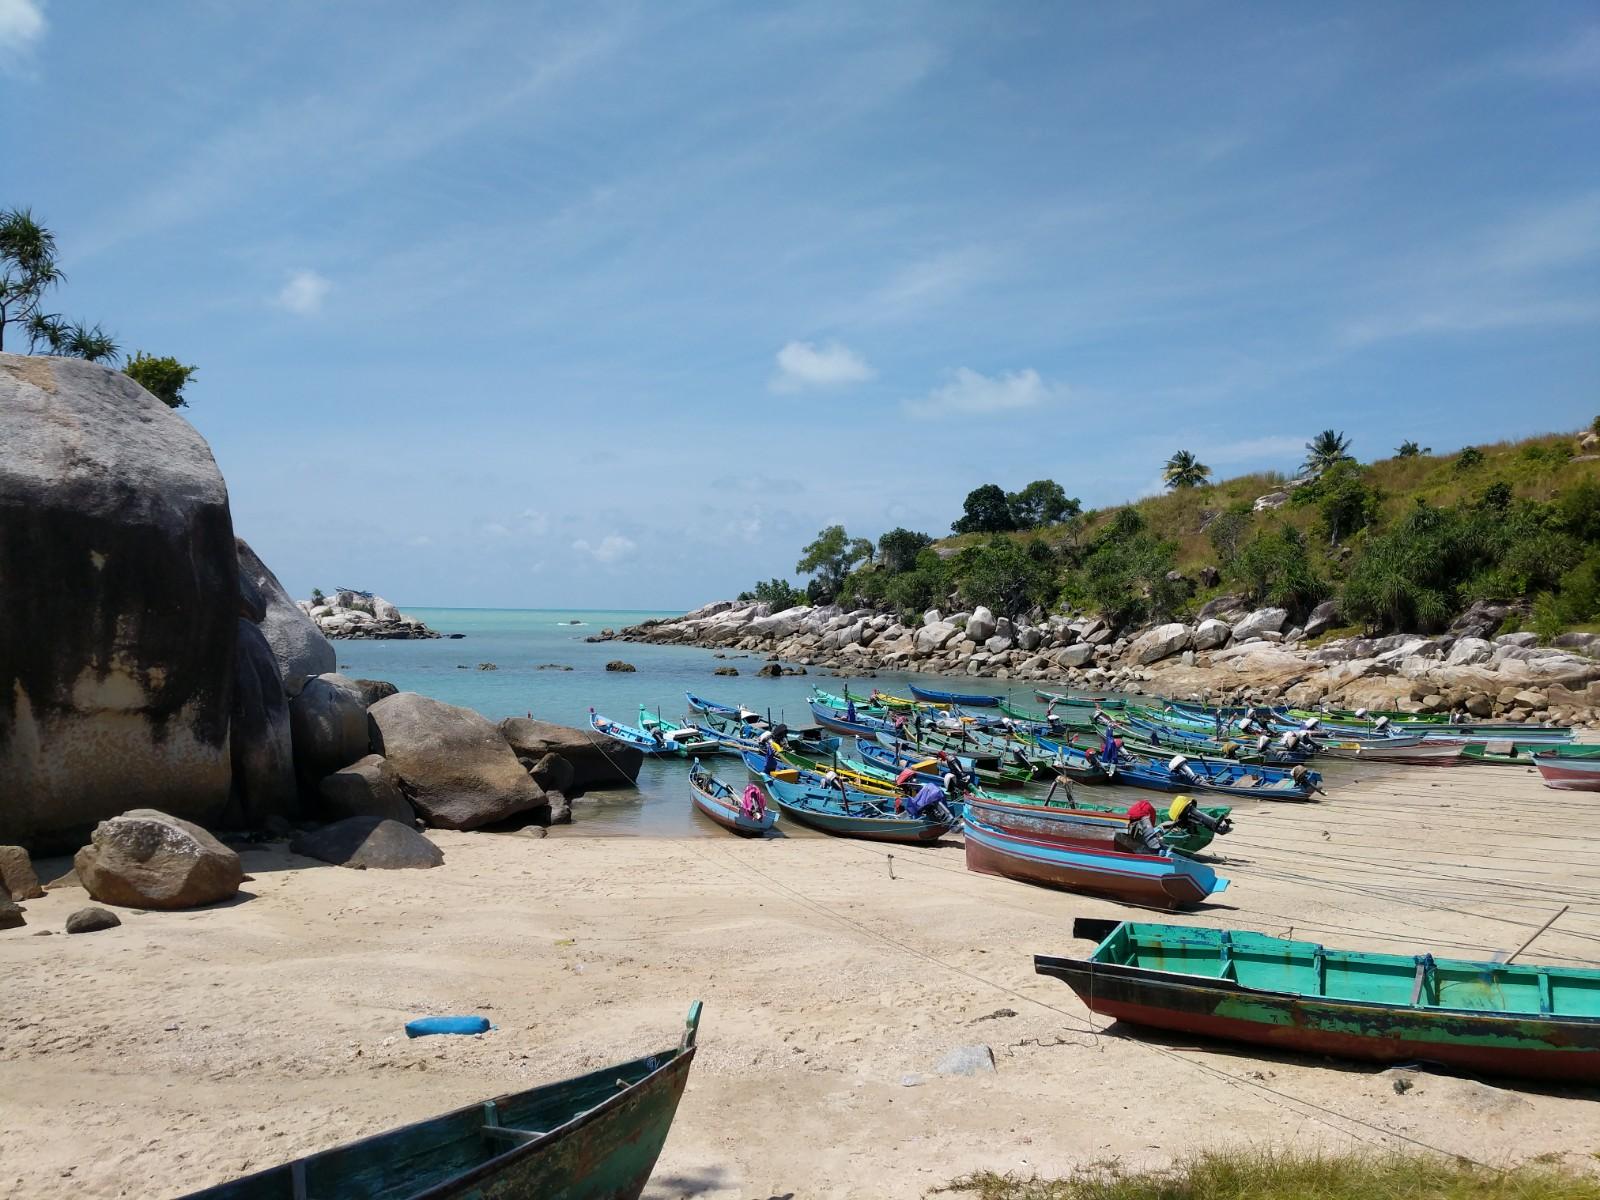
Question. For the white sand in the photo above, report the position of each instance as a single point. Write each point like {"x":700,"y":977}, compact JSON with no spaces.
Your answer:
{"x":186,"y":1048}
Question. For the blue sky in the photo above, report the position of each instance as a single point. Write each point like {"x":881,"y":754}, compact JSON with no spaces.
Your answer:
{"x":616,"y":305}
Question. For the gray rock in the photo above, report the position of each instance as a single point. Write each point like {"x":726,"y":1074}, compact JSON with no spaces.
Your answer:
{"x":261,"y":744}
{"x":934,"y":637}
{"x":121,"y":597}
{"x":373,"y":690}
{"x":1323,"y":618}
{"x":1523,"y":641}
{"x":368,"y":787}
{"x":458,"y":770}
{"x":148,"y":859}
{"x":1161,"y":642}
{"x":297,"y":644}
{"x":617,"y":664}
{"x":17,"y":878}
{"x":1263,"y":620}
{"x":92,"y":920}
{"x":1583,"y":643}
{"x":997,"y":645}
{"x":1469,"y":651}
{"x":369,"y":844}
{"x":1029,"y":638}
{"x":980,"y":625}
{"x":553,"y":773}
{"x":1077,"y":655}
{"x":967,"y":1060}
{"x":328,"y":720}
{"x":560,"y":809}
{"x":11,"y":915}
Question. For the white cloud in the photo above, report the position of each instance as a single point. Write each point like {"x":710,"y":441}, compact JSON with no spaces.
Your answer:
{"x":972,"y":391}
{"x":611,"y":548}
{"x":534,"y":521}
{"x":22,"y":24}
{"x":807,"y":365}
{"x":304,"y":292}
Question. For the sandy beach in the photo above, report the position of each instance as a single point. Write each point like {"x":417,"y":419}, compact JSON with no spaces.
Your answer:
{"x":186,"y":1048}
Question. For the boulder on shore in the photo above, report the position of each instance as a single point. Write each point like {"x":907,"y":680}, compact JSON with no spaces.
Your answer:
{"x":369,"y":843}
{"x":17,"y":878}
{"x":368,"y":787}
{"x":297,"y":644}
{"x":1261,"y":621}
{"x":457,"y":769}
{"x":1161,"y":642}
{"x":148,"y":859}
{"x":373,"y":690}
{"x":121,"y":597}
{"x":596,"y":761}
{"x":1211,"y":634}
{"x":11,"y":915}
{"x":329,"y":722}
{"x":92,"y":920}
{"x":262,"y":746}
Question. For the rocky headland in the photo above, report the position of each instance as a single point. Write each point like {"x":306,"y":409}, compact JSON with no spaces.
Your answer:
{"x":1228,"y":650}
{"x":161,"y":695}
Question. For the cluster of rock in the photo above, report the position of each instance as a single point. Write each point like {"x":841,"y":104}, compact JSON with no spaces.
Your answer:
{"x":157,"y":681}
{"x":352,"y":614}
{"x":1229,"y":648}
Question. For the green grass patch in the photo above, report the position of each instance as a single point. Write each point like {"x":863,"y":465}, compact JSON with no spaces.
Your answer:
{"x":1273,"y":1175}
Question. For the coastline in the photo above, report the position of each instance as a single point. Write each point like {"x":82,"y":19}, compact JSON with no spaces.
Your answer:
{"x":233,"y":1037}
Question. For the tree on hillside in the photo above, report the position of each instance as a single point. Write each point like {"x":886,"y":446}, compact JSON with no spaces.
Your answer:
{"x":898,"y":549}
{"x":1409,"y":449}
{"x":1042,"y":502}
{"x":829,"y":558}
{"x":28,"y":268}
{"x":1005,"y":576}
{"x":985,"y":510}
{"x":163,"y":378}
{"x":777,"y":594}
{"x":70,"y":339}
{"x":1184,"y":470}
{"x":1345,"y":500}
{"x":1326,"y":449}
{"x":1226,"y":532}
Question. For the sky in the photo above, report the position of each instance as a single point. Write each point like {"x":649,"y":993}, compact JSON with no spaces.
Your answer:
{"x":616,"y":305}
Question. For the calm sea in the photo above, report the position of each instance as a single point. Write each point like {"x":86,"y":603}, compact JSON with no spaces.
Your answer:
{"x":519,"y":642}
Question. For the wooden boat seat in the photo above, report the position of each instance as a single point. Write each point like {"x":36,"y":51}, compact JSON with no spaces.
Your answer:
{"x":493,"y":1131}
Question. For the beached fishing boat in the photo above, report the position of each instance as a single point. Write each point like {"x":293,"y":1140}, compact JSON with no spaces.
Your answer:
{"x":1570,"y":768}
{"x":1494,"y":1017}
{"x":629,"y":735}
{"x":1502,"y":752}
{"x":843,"y":810}
{"x":1094,"y":825}
{"x":1180,"y":773}
{"x":967,"y":700}
{"x":595,"y":1137}
{"x":1105,"y":702}
{"x":1055,"y":861}
{"x":1415,"y":749}
{"x":691,"y":739}
{"x":726,"y":807}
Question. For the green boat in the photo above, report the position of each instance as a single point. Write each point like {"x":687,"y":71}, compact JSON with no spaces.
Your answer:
{"x":1503,"y":752}
{"x":1492,"y":1017}
{"x":595,"y":1137}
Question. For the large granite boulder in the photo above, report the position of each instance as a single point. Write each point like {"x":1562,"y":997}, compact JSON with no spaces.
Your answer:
{"x":373,"y":690}
{"x":596,"y":761}
{"x":981,"y":625}
{"x":368,"y":787}
{"x":456,"y":767}
{"x":17,"y":878}
{"x":297,"y":644}
{"x":119,"y":593}
{"x":1079,"y":654}
{"x":1161,"y":642}
{"x":148,"y":859}
{"x":263,"y":750}
{"x":368,"y":844}
{"x":329,"y":723}
{"x":1262,"y":621}
{"x":936,"y":636}
{"x":1211,"y":633}
{"x":1323,"y":618}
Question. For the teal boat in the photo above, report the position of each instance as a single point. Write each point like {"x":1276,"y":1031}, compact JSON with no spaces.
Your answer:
{"x":595,"y":1137}
{"x":1504,"y":752}
{"x":1491,"y":1017}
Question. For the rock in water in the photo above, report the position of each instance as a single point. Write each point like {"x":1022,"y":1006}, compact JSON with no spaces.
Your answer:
{"x":617,"y":664}
{"x":329,"y":723}
{"x":560,"y":809}
{"x":17,"y":879}
{"x":459,"y":772}
{"x":121,"y":596}
{"x":148,"y":859}
{"x":297,"y":644}
{"x":596,"y":761}
{"x":366,"y":788}
{"x":263,"y":750}
{"x":369,"y":843}
{"x":552,"y":772}
{"x":92,"y":920}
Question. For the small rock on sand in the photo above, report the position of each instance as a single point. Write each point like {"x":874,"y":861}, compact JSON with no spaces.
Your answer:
{"x":967,"y":1060}
{"x":92,"y":919}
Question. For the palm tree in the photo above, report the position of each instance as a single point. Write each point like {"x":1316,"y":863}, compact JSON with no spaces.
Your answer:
{"x":1409,"y":449}
{"x":1185,"y":470}
{"x":1324,"y":450}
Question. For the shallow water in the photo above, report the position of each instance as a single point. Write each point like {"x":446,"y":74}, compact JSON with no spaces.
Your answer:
{"x":519,"y":641}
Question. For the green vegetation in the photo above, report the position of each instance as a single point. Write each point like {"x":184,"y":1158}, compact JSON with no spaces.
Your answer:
{"x":1184,"y":470}
{"x":1282,"y":1175}
{"x":778,"y":594}
{"x":163,"y":378}
{"x":1403,"y":543}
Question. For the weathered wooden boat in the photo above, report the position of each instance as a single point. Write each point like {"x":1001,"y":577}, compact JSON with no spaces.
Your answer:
{"x":839,"y":721}
{"x":966,"y":699}
{"x":1055,"y":861}
{"x":1409,"y":748}
{"x":595,"y":1137}
{"x":736,"y":735}
{"x":691,"y":739}
{"x":1570,"y":768}
{"x":723,"y":805}
{"x":629,"y":735}
{"x":1105,"y":702}
{"x":1434,"y":723}
{"x":1491,"y":1017}
{"x":1502,"y":752}
{"x":843,"y":810}
{"x":1093,"y":824}
{"x":1181,"y":773}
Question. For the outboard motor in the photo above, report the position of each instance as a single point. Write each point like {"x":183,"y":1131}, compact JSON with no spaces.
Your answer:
{"x":1178,"y":764}
{"x":1186,"y":814}
{"x":1301,"y":774}
{"x":1381,"y":725}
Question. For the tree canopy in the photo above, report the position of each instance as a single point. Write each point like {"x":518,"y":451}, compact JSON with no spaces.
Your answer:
{"x":829,"y":558}
{"x":985,"y":510}
{"x":1326,"y":449}
{"x":1184,"y":470}
{"x":898,"y":549}
{"x":163,"y":378}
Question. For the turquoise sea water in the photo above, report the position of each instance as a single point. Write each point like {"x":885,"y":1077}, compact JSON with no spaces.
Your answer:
{"x":518,"y":641}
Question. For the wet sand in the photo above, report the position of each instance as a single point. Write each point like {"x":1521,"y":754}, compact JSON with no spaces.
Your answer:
{"x":186,"y":1048}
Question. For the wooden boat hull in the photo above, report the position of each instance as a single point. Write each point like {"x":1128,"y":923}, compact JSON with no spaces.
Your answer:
{"x":1416,"y":751}
{"x":1468,"y":1039}
{"x":725,"y":811}
{"x":823,"y":809}
{"x":1095,"y":828}
{"x":1570,"y":772}
{"x":592,"y":1141}
{"x":1055,"y":862}
{"x":929,"y":696}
